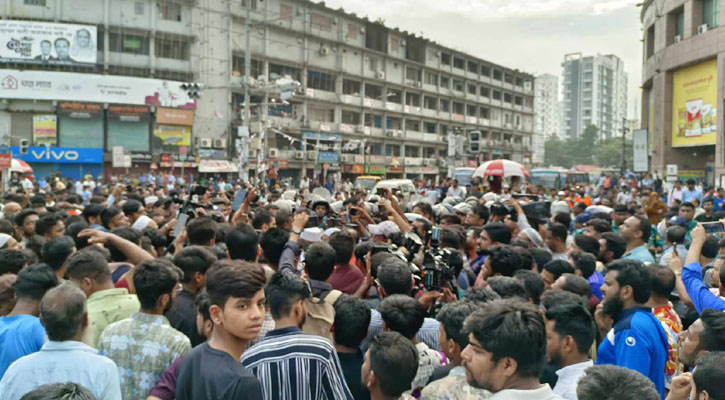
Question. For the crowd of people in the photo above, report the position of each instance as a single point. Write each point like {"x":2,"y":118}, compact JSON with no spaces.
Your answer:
{"x":152,"y":289}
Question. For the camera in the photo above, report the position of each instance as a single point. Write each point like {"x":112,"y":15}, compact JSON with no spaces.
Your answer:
{"x":440,"y":268}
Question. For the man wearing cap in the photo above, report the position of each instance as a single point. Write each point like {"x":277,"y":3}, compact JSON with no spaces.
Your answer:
{"x":580,"y":222}
{"x":691,"y":192}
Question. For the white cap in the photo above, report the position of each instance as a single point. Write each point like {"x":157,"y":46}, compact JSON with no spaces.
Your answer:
{"x":312,"y":234}
{"x":150,"y":200}
{"x":331,"y":231}
{"x":141,"y":223}
{"x":385,"y":228}
{"x":4,"y":237}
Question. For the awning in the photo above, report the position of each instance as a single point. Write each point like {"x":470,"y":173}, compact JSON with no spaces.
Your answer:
{"x":217,"y":166}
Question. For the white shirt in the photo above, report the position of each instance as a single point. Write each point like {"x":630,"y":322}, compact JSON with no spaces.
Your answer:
{"x":542,"y":393}
{"x":569,"y":377}
{"x":455,"y":192}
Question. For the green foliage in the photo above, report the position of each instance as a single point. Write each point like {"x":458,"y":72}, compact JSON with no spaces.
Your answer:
{"x":588,"y":149}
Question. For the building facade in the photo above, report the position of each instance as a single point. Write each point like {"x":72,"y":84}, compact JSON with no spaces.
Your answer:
{"x":681,"y":86}
{"x":594,"y":92}
{"x":372,"y":100}
{"x":547,"y":114}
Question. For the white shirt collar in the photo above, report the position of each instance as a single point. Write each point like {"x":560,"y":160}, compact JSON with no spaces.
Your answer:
{"x":544,"y":392}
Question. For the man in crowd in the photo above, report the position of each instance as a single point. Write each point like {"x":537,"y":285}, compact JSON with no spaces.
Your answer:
{"x":556,"y":240}
{"x":390,"y":365}
{"x":706,"y":334}
{"x":346,"y":277}
{"x":691,"y":192}
{"x":608,"y":382}
{"x":50,"y":226}
{"x":663,"y":283}
{"x":64,"y":357}
{"x":352,"y":317}
{"x":700,"y":296}
{"x":636,"y":231}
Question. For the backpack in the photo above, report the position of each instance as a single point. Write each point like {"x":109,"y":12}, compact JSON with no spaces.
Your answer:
{"x":321,"y":315}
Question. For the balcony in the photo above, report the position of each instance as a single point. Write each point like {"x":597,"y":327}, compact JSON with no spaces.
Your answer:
{"x":413,"y":161}
{"x":377,"y":159}
{"x":430,"y":137}
{"x":413,"y":135}
{"x":281,"y":122}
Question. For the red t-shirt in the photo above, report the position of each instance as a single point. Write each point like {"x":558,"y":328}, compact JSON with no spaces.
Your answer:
{"x":346,"y":278}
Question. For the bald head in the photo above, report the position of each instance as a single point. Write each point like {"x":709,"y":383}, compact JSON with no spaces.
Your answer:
{"x":11,"y":209}
{"x":62,"y":310}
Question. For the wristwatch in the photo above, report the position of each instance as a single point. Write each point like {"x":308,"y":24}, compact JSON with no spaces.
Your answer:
{"x":296,"y":231}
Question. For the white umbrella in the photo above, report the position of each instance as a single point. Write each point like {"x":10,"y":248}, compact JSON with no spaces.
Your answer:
{"x":502,"y":168}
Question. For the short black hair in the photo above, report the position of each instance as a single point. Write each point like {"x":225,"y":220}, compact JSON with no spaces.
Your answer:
{"x":54,"y":391}
{"x":600,"y":225}
{"x":154,"y":278}
{"x":12,"y":261}
{"x":234,"y":278}
{"x":394,"y":360}
{"x":402,"y":314}
{"x":242,"y":243}
{"x":616,"y":244}
{"x":352,"y":317}
{"x":425,"y":207}
{"x":620,"y":208}
{"x":498,"y":232}
{"x":46,"y":223}
{"x":480,"y":295}
{"x":712,"y":337}
{"x":558,"y":231}
{"x":88,"y":264}
{"x":501,"y":326}
{"x":687,"y":204}
{"x":344,"y":245}
{"x":6,"y":226}
{"x":576,"y":284}
{"x":22,"y":215}
{"x":709,"y":374}
{"x":452,"y":237}
{"x":395,"y":276}
{"x":262,"y":217}
{"x":587,"y":244}
{"x":676,"y":234}
{"x":573,"y":320}
{"x":57,"y":250}
{"x":127,"y":233}
{"x":558,"y":268}
{"x":92,"y":210}
{"x":272,"y":242}
{"x":131,"y":206}
{"x":34,"y":280}
{"x":609,"y":382}
{"x":203,"y":304}
{"x":481,"y":211}
{"x":508,"y":287}
{"x":194,"y":259}
{"x":72,"y":230}
{"x":541,"y":257}
{"x":644,"y":226}
{"x":663,"y":280}
{"x":153,"y":234}
{"x":563,"y":218}
{"x":108,"y":214}
{"x":452,"y":316}
{"x":283,"y":290}
{"x":584,"y":262}
{"x":320,"y":261}
{"x":533,"y":283}
{"x":504,"y":260}
{"x":633,"y":273}
{"x":552,"y":298}
{"x":711,"y":247}
{"x":201,"y":230}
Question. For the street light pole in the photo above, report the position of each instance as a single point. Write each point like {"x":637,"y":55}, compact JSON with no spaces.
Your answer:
{"x":247,"y":79}
{"x":624,"y":145}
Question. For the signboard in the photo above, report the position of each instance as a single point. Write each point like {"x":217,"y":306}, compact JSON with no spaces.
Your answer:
{"x":353,"y":169}
{"x":128,"y":113}
{"x":691,"y":173}
{"x":375,"y":169}
{"x":172,"y":135}
{"x":396,"y":170}
{"x":45,"y":85}
{"x":6,"y":160}
{"x":45,"y":129}
{"x":694,"y":105}
{"x":337,"y":137}
{"x":61,"y":155}
{"x":36,"y":42}
{"x":328,"y":157}
{"x":80,"y":110}
{"x":174,"y":117}
{"x":640,"y":144}
{"x":671,"y":169}
{"x":118,"y":156}
{"x":216,"y":166}
{"x":212,"y":153}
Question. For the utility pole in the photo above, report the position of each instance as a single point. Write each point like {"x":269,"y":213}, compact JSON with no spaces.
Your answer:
{"x":247,"y":78}
{"x":624,"y":145}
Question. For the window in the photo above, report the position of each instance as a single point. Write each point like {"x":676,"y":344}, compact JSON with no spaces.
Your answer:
{"x":458,"y":85}
{"x":320,"y":22}
{"x":394,"y":45}
{"x":649,"y":44}
{"x":252,"y":5}
{"x":508,"y":78}
{"x":445,"y":82}
{"x":519,"y":81}
{"x":710,"y":13}
{"x":445,"y":105}
{"x":34,"y":3}
{"x":412,"y":99}
{"x":176,"y":49}
{"x":352,"y":31}
{"x":429,"y":103}
{"x":497,"y":75}
{"x":445,"y":59}
{"x":412,"y":125}
{"x":472,"y":89}
{"x":429,"y":152}
{"x":471,"y":110}
{"x":373,"y":63}
{"x":472,"y":67}
{"x":680,"y":23}
{"x":138,"y":8}
{"x":285,"y":12}
{"x":457,"y":108}
{"x":321,"y":114}
{"x":519,"y":101}
{"x":282,"y":70}
{"x":126,"y":43}
{"x":485,"y":71}
{"x":394,"y":96}
{"x":412,"y":74}
{"x":320,"y":80}
{"x":459,"y":63}
{"x":373,"y":92}
{"x":350,"y":87}
{"x":430,"y":127}
{"x":485,"y":113}
{"x":496,"y":95}
{"x":170,"y":11}
{"x":485,"y":92}
{"x":350,"y":117}
{"x":411,"y":151}
{"x":256,"y":67}
{"x":431,"y":78}
{"x":392,"y":150}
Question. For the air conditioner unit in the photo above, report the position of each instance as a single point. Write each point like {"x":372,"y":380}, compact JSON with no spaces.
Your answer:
{"x":380,"y":75}
{"x":324,"y":51}
{"x":418,"y":84}
{"x":389,"y":133}
{"x":299,"y":155}
{"x":441,"y":162}
{"x":273,"y":152}
{"x":311,"y":155}
{"x":426,"y":162}
{"x":399,"y":134}
{"x":678,"y":38}
{"x":360,"y":129}
{"x":220,"y":143}
{"x":205,"y":143}
{"x":702,"y":29}
{"x":345,"y":158}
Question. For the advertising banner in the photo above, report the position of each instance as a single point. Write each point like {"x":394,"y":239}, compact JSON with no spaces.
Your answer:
{"x":45,"y":129}
{"x":128,"y":113}
{"x":640,"y":142}
{"x":113,"y":89}
{"x":60,"y":155}
{"x":170,"y":137}
{"x":80,"y":110}
{"x":174,"y":117}
{"x":36,"y":42}
{"x":694,"y":105}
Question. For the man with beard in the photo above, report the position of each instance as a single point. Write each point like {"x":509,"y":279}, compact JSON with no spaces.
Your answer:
{"x":704,"y":335}
{"x":495,"y":359}
{"x":570,"y":333}
{"x":633,"y":337}
{"x":145,"y":344}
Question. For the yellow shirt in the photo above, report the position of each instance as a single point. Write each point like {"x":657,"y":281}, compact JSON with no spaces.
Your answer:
{"x":106,"y":307}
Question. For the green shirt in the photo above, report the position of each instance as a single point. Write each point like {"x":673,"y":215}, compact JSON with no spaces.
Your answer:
{"x":142,"y":347}
{"x":105,"y":307}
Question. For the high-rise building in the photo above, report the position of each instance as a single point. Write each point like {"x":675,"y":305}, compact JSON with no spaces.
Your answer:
{"x":594,"y":91}
{"x":547,"y":115}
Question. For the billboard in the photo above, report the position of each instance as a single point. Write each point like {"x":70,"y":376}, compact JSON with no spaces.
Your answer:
{"x":60,"y":155}
{"x":640,"y":141}
{"x":169,"y":138}
{"x":35,"y":42}
{"x":114,"y":89}
{"x":45,"y":128}
{"x":694,"y":105}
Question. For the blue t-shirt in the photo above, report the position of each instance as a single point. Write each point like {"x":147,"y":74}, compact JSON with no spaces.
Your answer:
{"x":637,"y":341}
{"x":20,"y":335}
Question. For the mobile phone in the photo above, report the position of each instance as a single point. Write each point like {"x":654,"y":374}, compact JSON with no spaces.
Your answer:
{"x":352,"y":212}
{"x":239,"y":198}
{"x":181,"y":221}
{"x":713,"y":227}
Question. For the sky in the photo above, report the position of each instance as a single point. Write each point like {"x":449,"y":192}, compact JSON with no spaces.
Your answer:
{"x":529,"y":35}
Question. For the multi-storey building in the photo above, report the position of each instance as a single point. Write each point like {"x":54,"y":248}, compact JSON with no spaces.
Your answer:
{"x":547,"y":114}
{"x":594,"y":91}
{"x":681,"y":86}
{"x":372,"y":100}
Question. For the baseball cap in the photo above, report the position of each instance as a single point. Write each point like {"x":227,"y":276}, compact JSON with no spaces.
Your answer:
{"x":677,"y":220}
{"x":385,"y":228}
{"x":583,"y":218}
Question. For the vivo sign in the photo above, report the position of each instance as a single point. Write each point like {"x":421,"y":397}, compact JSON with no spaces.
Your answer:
{"x":61,"y":155}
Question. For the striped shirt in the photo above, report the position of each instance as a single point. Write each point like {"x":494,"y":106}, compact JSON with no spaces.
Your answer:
{"x":292,"y":365}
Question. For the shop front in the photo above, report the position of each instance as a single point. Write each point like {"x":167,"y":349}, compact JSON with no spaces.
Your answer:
{"x":71,"y":162}
{"x":394,"y":172}
{"x":373,"y":169}
{"x":81,"y":124}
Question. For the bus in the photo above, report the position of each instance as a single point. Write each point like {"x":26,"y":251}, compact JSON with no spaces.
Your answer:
{"x":464,"y":176}
{"x":577,"y":178}
{"x":552,"y":179}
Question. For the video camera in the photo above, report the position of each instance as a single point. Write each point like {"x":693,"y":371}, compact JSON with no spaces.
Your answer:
{"x":440,"y":266}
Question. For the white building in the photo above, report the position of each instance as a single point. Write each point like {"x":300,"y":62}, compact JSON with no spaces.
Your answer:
{"x":594,"y":90}
{"x":547,"y":115}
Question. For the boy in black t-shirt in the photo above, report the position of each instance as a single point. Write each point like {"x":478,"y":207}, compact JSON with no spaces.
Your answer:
{"x":212,"y":370}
